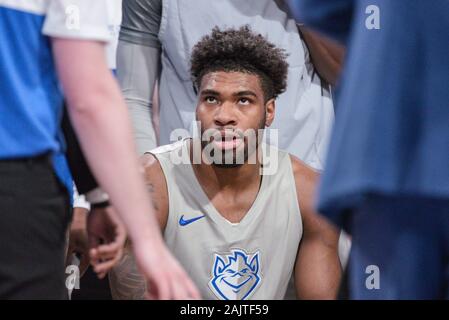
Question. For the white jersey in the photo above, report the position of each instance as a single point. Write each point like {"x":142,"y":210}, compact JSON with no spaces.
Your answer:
{"x":253,"y":259}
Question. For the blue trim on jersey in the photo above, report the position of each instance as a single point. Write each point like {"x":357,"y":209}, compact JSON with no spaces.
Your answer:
{"x":30,"y":98}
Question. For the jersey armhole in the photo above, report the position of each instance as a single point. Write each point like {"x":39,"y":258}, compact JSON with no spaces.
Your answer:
{"x":292,"y":178}
{"x":165,"y":169}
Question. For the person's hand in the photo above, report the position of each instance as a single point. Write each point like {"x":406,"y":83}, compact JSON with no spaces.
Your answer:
{"x":165,"y":277}
{"x":78,"y":243}
{"x":107,"y":238}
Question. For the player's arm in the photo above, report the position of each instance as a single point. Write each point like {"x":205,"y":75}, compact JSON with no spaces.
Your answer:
{"x":157,"y":187}
{"x":100,"y":119}
{"x":137,"y":72}
{"x":78,"y":243}
{"x":99,"y":116}
{"x":138,"y":66}
{"x":317,"y":268}
{"x":125,"y":281}
{"x":327,"y":56}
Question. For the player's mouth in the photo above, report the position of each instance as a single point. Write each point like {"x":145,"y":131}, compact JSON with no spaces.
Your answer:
{"x":227,"y":141}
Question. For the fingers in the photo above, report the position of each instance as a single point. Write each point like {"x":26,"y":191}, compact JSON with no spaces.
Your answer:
{"x":165,"y":277}
{"x":179,"y":291}
{"x":160,"y":289}
{"x":117,"y":231}
{"x":193,"y":292}
{"x":107,"y":237}
{"x":183,"y":287}
{"x":102,"y":268}
{"x":94,"y":243}
{"x":104,"y":257}
{"x":105,"y":264}
{"x":109,"y":251}
{"x":172,"y":287}
{"x":106,"y":251}
{"x":171,"y":283}
{"x":94,"y":240}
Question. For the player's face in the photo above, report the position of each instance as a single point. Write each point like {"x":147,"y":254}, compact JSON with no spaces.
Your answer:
{"x":231,"y":110}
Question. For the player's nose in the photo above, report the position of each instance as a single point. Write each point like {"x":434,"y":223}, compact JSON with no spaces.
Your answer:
{"x":225,"y":115}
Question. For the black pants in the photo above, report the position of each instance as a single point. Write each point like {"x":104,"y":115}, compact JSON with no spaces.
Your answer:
{"x":34,"y":215}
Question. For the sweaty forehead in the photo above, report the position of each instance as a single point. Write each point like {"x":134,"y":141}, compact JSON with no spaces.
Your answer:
{"x":231,"y":82}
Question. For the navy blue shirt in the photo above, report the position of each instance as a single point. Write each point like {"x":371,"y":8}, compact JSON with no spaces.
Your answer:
{"x":391,"y":133}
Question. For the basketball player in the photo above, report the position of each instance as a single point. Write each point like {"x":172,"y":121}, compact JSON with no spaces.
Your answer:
{"x":160,"y":35}
{"x":238,"y":233}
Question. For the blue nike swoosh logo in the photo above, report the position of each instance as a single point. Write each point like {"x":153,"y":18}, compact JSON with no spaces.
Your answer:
{"x":183,"y":222}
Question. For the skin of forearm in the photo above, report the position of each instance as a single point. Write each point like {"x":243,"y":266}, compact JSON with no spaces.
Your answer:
{"x":327,"y":56}
{"x":105,"y":134}
{"x":79,"y":218}
{"x":101,"y":121}
{"x":319,"y":276}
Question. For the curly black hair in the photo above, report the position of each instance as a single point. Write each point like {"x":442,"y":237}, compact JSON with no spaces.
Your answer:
{"x":243,"y":51}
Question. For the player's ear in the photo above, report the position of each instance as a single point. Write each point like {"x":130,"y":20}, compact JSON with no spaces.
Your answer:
{"x":270,"y":107}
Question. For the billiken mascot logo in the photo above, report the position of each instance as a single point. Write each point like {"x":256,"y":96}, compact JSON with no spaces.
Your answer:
{"x":235,"y":276}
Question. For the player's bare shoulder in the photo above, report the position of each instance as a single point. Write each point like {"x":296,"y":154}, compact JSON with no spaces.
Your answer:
{"x":156,"y":185}
{"x":306,"y":181}
{"x":150,"y":166}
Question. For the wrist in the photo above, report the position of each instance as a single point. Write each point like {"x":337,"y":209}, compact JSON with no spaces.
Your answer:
{"x":79,"y":218}
{"x":144,"y":240}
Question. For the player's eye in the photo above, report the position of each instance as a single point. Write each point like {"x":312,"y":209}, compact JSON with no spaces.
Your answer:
{"x":244,"y":101}
{"x":244,"y":271}
{"x":230,"y":271}
{"x":210,"y":100}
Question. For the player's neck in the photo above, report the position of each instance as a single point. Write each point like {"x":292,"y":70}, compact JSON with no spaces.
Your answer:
{"x":234,"y":178}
